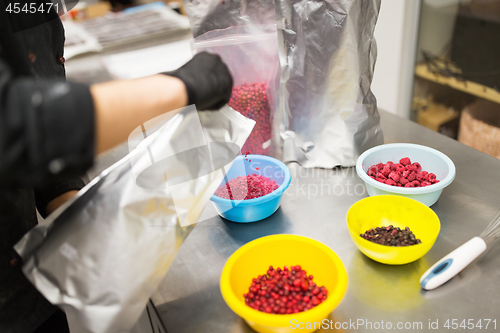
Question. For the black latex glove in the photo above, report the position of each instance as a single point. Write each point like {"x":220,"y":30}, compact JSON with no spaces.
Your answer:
{"x":207,"y":80}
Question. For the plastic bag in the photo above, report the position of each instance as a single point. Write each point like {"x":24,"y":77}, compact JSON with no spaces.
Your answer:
{"x":101,"y":256}
{"x":327,"y":52}
{"x":251,"y":53}
{"x":209,"y":15}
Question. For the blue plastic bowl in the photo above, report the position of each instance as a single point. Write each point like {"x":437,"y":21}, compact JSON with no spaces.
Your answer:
{"x":257,"y":209}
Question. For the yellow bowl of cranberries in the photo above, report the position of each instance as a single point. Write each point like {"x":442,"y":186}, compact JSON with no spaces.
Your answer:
{"x":315,"y":274}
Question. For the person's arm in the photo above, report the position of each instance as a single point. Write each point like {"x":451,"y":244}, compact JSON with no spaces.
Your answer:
{"x":53,"y":194}
{"x":59,"y":200}
{"x":53,"y":128}
{"x":120,"y":106}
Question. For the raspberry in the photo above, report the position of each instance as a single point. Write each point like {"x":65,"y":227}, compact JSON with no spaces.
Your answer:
{"x":411,"y":177}
{"x":400,"y":167}
{"x":401,"y":174}
{"x":405,"y":161}
{"x":394,"y":176}
{"x":386,"y":171}
{"x":390,"y":182}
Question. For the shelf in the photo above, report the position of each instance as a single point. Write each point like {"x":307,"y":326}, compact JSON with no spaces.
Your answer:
{"x":469,"y":87}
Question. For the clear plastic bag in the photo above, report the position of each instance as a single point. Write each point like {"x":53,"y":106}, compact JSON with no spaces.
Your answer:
{"x":102,"y":255}
{"x":251,"y":53}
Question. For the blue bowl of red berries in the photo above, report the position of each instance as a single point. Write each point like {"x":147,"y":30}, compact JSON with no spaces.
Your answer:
{"x":252,"y":189}
{"x":409,"y":170}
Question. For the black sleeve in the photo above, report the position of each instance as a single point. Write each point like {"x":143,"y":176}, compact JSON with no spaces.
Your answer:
{"x":58,"y":185}
{"x":46,"y":129}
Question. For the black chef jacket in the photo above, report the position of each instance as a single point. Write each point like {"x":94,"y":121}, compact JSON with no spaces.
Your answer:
{"x":46,"y":139}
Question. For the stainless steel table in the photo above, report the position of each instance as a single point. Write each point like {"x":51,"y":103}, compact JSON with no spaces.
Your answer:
{"x":315,"y":205}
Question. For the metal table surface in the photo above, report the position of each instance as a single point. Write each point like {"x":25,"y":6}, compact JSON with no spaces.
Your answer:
{"x":315,"y":205}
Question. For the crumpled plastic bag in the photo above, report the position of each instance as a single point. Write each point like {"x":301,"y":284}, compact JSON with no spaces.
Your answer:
{"x":102,"y":255}
{"x":328,"y":113}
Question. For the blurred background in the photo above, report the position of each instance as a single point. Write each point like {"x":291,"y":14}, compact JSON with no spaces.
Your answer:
{"x":438,"y":61}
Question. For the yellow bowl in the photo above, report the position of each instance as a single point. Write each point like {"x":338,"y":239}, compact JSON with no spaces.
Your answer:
{"x":254,"y":259}
{"x":401,"y":212}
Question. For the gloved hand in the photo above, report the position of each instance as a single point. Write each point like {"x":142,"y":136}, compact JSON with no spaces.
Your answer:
{"x":208,"y":81}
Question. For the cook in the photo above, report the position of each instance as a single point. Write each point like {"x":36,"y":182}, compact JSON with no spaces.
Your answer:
{"x":50,"y":130}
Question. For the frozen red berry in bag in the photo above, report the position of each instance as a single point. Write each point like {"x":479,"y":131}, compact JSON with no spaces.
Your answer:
{"x":252,"y":101}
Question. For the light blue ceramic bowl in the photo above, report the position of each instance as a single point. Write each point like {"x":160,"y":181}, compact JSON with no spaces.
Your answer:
{"x":252,"y":210}
{"x":431,"y":160}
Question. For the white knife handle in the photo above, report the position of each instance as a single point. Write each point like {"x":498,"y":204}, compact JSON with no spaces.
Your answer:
{"x":446,"y":268}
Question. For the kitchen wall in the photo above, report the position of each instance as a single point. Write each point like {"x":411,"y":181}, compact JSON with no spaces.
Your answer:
{"x":396,"y":34}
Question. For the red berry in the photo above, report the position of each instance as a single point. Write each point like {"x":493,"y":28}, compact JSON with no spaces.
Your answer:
{"x":390,"y":182}
{"x":394,"y":176}
{"x":405,"y":161}
{"x":284,"y":292}
{"x":246,"y":187}
{"x":252,"y":101}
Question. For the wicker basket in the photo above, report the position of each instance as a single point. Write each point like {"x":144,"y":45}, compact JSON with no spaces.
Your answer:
{"x":480,"y":127}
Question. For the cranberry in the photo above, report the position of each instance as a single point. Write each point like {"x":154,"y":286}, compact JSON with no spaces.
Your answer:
{"x":252,"y":101}
{"x":284,"y":291}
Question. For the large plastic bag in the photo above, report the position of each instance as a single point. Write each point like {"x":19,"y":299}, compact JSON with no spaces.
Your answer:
{"x":251,"y":53}
{"x":102,"y":255}
{"x":327,"y":52}
{"x":209,"y":15}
